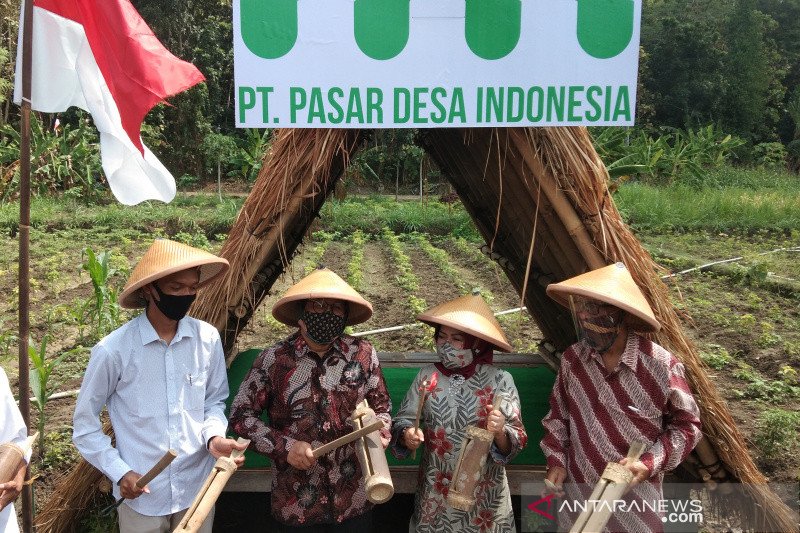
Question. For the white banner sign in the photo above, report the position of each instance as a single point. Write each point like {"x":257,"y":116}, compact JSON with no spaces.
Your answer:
{"x":435,"y":63}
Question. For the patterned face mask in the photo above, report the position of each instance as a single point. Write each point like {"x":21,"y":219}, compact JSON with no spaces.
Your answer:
{"x":600,"y":333}
{"x":598,"y":323}
{"x":453,"y":358}
{"x":323,"y":328}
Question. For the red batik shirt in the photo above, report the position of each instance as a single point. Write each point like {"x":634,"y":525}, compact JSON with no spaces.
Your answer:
{"x":309,"y":398}
{"x":595,"y":415}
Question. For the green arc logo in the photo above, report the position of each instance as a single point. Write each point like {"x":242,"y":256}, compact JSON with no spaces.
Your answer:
{"x":381,"y":27}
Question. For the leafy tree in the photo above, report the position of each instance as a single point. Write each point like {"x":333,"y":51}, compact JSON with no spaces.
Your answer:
{"x":786,"y":35}
{"x":198,"y":31}
{"x":9,"y":20}
{"x":685,"y":61}
{"x":752,"y":87}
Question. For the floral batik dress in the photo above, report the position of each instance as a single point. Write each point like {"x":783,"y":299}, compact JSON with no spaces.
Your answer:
{"x":455,"y":404}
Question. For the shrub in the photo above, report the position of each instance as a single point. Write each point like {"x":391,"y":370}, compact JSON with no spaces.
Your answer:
{"x":777,"y":433}
{"x":770,"y":155}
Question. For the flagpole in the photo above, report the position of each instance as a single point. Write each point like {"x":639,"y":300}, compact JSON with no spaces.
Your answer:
{"x":24,"y":245}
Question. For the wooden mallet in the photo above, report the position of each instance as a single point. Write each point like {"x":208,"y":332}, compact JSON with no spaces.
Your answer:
{"x":145,"y":479}
{"x":347,"y":439}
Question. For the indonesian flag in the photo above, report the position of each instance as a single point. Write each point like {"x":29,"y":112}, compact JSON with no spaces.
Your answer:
{"x":101,"y":56}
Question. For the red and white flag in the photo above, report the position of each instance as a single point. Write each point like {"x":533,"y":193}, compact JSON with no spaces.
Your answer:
{"x":101,"y":56}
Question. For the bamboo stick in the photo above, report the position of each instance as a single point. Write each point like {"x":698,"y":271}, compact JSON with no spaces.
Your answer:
{"x":347,"y":439}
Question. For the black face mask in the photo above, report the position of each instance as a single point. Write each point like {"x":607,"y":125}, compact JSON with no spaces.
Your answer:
{"x":174,"y":307}
{"x":323,"y":328}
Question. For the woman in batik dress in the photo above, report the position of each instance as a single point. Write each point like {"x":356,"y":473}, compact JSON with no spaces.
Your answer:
{"x":466,"y":334}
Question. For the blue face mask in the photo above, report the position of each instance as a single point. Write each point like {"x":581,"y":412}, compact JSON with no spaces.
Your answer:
{"x":173,"y":306}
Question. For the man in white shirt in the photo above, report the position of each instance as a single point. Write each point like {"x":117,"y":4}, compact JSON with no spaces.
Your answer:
{"x":162,"y":378}
{"x":12,"y":429}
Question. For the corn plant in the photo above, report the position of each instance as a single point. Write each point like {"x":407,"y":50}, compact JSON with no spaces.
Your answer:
{"x":40,"y":380}
{"x":102,"y":308}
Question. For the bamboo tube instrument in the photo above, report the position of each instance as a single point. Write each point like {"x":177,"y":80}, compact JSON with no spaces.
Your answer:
{"x":12,"y":456}
{"x":162,"y":463}
{"x":210,"y":491}
{"x":612,"y":485}
{"x":371,"y":457}
{"x":471,"y":464}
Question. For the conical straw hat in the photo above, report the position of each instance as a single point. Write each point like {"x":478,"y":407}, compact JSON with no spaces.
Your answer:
{"x":611,"y":284}
{"x":165,"y":257}
{"x":322,"y":283}
{"x":471,"y":315}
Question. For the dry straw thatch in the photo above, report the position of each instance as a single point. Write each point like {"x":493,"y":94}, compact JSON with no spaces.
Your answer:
{"x":74,"y":493}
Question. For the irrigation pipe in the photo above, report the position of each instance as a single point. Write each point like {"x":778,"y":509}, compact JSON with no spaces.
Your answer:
{"x":417,"y":324}
{"x":731,"y":260}
{"x":59,"y":395}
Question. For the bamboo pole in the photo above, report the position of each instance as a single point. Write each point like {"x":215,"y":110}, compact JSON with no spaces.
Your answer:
{"x":24,"y":246}
{"x":515,"y":204}
{"x":562,"y":206}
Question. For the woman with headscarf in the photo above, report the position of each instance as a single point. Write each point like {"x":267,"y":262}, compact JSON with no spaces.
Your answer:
{"x":466,"y":335}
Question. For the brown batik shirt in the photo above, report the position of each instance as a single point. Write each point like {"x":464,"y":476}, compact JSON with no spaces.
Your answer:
{"x":309,"y":398}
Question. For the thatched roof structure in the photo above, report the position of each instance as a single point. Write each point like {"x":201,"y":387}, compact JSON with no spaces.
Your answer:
{"x":539,"y":198}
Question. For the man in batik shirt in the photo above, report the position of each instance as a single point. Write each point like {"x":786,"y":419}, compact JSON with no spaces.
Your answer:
{"x":309,"y":384}
{"x":615,"y":387}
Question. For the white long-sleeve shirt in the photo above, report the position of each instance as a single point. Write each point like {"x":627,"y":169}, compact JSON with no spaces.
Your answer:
{"x":12,"y":429}
{"x":159,"y":397}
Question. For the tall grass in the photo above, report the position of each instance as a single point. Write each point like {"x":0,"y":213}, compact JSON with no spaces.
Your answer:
{"x":722,"y":199}
{"x":735,"y":209}
{"x":185,"y":213}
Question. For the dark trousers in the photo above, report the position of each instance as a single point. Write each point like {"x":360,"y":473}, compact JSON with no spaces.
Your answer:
{"x":359,"y":524}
